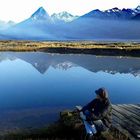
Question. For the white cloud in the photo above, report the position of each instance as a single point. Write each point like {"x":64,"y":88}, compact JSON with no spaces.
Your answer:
{"x":19,"y":10}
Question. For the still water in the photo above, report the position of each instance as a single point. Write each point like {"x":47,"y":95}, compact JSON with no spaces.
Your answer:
{"x":35,"y":87}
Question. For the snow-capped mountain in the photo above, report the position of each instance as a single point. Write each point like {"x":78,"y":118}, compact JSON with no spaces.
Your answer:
{"x":40,"y":14}
{"x":113,"y":10}
{"x":137,"y":9}
{"x":113,"y":24}
{"x":109,"y":24}
{"x":113,"y":14}
{"x":39,"y":26}
{"x":63,"y":17}
{"x":35,"y":27}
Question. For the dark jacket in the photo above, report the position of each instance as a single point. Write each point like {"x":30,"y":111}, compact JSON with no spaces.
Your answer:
{"x":101,"y":110}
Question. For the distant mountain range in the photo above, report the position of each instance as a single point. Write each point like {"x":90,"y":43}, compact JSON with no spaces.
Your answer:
{"x":114,"y":14}
{"x":4,"y":25}
{"x":114,"y":24}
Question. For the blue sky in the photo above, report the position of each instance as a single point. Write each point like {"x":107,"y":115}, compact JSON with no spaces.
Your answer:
{"x":18,"y":10}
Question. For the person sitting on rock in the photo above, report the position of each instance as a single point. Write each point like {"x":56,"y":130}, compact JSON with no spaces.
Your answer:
{"x":99,"y":110}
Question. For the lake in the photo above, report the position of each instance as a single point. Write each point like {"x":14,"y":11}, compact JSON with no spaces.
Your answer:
{"x":36,"y":86}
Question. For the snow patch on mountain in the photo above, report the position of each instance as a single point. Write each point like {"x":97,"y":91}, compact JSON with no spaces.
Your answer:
{"x":63,"y":16}
{"x":113,"y":10}
{"x":137,"y":9}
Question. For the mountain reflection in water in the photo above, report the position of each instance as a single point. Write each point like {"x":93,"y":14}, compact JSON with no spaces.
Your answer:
{"x":108,"y":64}
{"x":35,"y":86}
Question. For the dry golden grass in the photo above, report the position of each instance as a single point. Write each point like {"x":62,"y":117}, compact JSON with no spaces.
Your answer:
{"x":35,"y":45}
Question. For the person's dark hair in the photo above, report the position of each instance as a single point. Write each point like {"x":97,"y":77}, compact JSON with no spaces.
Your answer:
{"x":102,"y":92}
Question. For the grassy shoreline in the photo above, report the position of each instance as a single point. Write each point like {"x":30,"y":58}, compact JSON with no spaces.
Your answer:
{"x":86,"y":47}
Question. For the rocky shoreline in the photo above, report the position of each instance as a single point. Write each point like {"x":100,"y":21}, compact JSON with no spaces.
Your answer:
{"x":68,"y":127}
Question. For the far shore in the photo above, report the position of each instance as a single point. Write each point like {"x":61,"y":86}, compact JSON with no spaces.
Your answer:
{"x":84,"y":47}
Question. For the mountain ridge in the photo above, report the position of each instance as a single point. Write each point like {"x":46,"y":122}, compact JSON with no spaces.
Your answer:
{"x":113,"y":14}
{"x":113,"y":23}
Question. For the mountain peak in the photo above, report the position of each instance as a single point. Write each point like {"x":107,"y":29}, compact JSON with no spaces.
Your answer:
{"x":41,"y":9}
{"x":63,"y":16}
{"x":115,"y":9}
{"x":40,"y":14}
{"x":137,"y":9}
